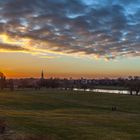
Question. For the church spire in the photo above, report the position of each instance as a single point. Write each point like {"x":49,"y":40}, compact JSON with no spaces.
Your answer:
{"x":42,"y":75}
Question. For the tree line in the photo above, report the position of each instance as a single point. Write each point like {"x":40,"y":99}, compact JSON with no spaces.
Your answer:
{"x":131,"y":83}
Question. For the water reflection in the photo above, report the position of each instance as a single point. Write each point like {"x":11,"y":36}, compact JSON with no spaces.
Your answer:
{"x":104,"y":91}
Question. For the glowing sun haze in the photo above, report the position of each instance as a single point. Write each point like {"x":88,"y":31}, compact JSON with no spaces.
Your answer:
{"x":70,"y":38}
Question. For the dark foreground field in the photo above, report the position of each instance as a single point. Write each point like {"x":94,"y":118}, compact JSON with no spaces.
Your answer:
{"x":66,"y":115}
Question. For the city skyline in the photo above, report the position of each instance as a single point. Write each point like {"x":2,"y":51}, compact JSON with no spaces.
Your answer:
{"x":70,"y":38}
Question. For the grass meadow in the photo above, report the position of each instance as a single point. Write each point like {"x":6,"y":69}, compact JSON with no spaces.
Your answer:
{"x":71,"y":115}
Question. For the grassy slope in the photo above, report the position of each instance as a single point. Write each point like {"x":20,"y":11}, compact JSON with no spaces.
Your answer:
{"x":72,"y":115}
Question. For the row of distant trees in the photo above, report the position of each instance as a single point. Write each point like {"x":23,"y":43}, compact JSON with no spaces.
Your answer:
{"x":132,"y":83}
{"x":6,"y":83}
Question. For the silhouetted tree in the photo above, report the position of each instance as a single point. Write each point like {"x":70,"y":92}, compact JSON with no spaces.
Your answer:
{"x":134,"y":85}
{"x":2,"y":81}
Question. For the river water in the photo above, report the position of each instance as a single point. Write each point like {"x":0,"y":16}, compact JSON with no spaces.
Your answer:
{"x":104,"y":91}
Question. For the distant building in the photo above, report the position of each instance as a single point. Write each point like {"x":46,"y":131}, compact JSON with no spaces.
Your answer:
{"x":42,"y":80}
{"x":42,"y":75}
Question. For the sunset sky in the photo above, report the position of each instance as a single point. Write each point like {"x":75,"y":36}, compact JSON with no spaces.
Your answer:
{"x":70,"y":38}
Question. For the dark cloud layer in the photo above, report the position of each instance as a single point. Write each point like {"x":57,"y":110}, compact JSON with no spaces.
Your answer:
{"x":104,"y":28}
{"x":7,"y":47}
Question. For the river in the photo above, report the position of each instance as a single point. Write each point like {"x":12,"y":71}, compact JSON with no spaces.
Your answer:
{"x":104,"y":91}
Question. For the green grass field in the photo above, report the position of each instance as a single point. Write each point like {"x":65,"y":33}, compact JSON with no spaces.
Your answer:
{"x":67,"y":115}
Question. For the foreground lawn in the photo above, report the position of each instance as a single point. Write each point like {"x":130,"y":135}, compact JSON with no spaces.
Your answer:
{"x":67,"y":115}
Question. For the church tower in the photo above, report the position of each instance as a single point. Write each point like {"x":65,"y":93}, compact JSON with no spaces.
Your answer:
{"x":42,"y":75}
